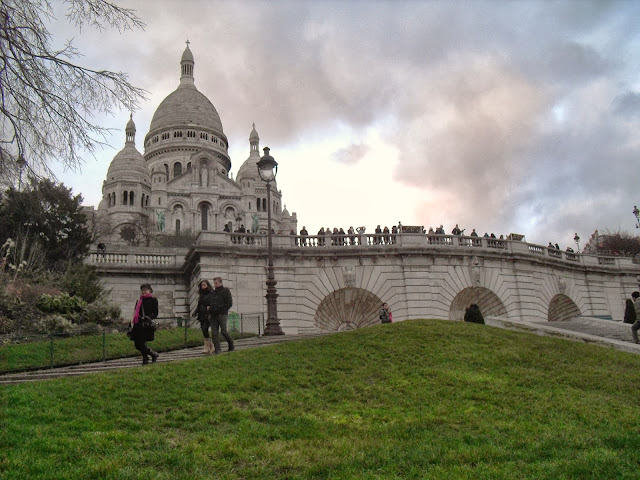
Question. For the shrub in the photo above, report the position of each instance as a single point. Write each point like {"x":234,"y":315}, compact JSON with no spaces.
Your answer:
{"x":82,"y":281}
{"x":61,"y":304}
{"x":101,"y":313}
{"x":473,"y":314}
{"x":55,"y":324}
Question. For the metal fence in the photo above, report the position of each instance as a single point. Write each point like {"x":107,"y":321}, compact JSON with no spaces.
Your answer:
{"x":19,"y":352}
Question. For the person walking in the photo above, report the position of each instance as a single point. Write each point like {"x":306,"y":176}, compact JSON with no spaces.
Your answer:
{"x":630,"y":311}
{"x":385,"y":314}
{"x":220,"y":303}
{"x":203,"y":312}
{"x":636,"y":324}
{"x":141,"y":327}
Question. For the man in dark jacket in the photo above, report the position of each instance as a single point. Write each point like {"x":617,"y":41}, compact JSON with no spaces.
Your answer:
{"x":220,"y":303}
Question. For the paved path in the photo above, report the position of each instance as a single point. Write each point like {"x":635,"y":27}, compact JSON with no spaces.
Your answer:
{"x":605,"y":333}
{"x":130,"y":362}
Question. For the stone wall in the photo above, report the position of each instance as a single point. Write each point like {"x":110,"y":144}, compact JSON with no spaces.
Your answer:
{"x":334,"y":287}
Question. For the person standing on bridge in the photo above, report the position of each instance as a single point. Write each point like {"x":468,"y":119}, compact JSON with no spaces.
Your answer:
{"x":142,"y":328}
{"x":220,"y":303}
{"x":203,"y":312}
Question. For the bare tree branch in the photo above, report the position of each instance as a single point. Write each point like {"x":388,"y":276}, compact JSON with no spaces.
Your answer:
{"x":47,"y":102}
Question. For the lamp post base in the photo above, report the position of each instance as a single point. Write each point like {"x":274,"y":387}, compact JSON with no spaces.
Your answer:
{"x":273,"y":329}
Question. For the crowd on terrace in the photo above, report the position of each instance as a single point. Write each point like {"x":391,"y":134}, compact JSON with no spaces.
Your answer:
{"x":337,"y":236}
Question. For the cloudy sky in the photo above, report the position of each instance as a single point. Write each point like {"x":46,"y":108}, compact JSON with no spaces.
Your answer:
{"x":503,"y":116}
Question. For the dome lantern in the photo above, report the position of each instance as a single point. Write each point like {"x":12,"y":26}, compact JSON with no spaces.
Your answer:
{"x":130,"y":130}
{"x":186,"y":67}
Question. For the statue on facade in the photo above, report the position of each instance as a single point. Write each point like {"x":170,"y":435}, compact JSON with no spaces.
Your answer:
{"x":160,"y":221}
{"x":255,"y":226}
{"x":204,"y":176}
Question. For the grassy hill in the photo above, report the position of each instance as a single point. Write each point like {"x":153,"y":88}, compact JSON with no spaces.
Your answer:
{"x":417,"y":399}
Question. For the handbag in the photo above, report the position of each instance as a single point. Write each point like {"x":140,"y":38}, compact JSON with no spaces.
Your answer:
{"x":147,"y":323}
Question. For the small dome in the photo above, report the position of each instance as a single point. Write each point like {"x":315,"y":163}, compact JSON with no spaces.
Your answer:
{"x":130,"y":124}
{"x":128,"y":165}
{"x":187,"y":55}
{"x":249,"y":170}
{"x":253,"y":136}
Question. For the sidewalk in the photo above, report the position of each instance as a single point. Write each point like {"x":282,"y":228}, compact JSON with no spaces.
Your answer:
{"x":172,"y":356}
{"x":604,"y":333}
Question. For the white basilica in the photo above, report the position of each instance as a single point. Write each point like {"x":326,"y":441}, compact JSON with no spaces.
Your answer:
{"x":183,"y":184}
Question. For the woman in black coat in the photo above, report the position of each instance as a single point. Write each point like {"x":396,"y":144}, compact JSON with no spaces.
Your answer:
{"x":204,"y":314}
{"x":142,"y":330}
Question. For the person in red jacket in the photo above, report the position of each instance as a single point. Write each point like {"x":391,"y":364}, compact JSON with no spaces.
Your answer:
{"x":142,"y":328}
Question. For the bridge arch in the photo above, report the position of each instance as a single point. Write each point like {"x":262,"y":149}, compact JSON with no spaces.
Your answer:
{"x":347,"y":309}
{"x":489,"y":303}
{"x":562,"y":308}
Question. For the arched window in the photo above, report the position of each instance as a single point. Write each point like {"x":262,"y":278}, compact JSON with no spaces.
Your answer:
{"x":258,"y":205}
{"x":146,"y":201}
{"x":189,"y":167}
{"x":204,"y":214}
{"x":131,"y":197}
{"x":159,"y":200}
{"x":177,"y":227}
{"x":142,"y":200}
{"x":177,"y":169}
{"x":166,"y":169}
{"x":125,"y":194}
{"x":264,"y":204}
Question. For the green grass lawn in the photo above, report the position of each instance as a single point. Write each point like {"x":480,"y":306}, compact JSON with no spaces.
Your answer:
{"x":44,"y":353}
{"x":416,"y":399}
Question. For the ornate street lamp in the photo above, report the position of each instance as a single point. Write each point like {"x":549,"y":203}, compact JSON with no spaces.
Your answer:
{"x":268,"y":169}
{"x":577,"y":240}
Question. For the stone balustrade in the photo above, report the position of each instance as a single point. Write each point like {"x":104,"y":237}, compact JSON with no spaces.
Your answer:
{"x":134,"y":259}
{"x":162,"y":258}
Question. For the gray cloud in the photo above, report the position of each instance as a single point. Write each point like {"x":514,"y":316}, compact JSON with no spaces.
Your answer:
{"x":350,"y":155}
{"x":519,"y":115}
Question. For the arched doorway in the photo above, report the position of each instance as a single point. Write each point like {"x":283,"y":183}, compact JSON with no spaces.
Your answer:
{"x":562,"y":308}
{"x":347,"y":309}
{"x":489,"y":303}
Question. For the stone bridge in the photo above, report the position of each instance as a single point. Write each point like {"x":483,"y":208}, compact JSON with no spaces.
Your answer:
{"x":329,"y":283}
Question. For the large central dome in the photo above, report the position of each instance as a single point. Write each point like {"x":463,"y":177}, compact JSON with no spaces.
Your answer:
{"x":186,"y":106}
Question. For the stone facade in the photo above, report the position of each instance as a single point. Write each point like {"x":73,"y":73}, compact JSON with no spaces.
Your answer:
{"x":336,"y":287}
{"x":182,"y":185}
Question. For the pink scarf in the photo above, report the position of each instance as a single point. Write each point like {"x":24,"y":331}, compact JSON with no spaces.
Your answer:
{"x":138,"y":307}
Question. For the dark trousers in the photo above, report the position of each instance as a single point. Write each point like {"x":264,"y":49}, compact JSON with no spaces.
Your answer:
{"x":219,"y":322}
{"x":141,"y":346}
{"x":204,"y":326}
